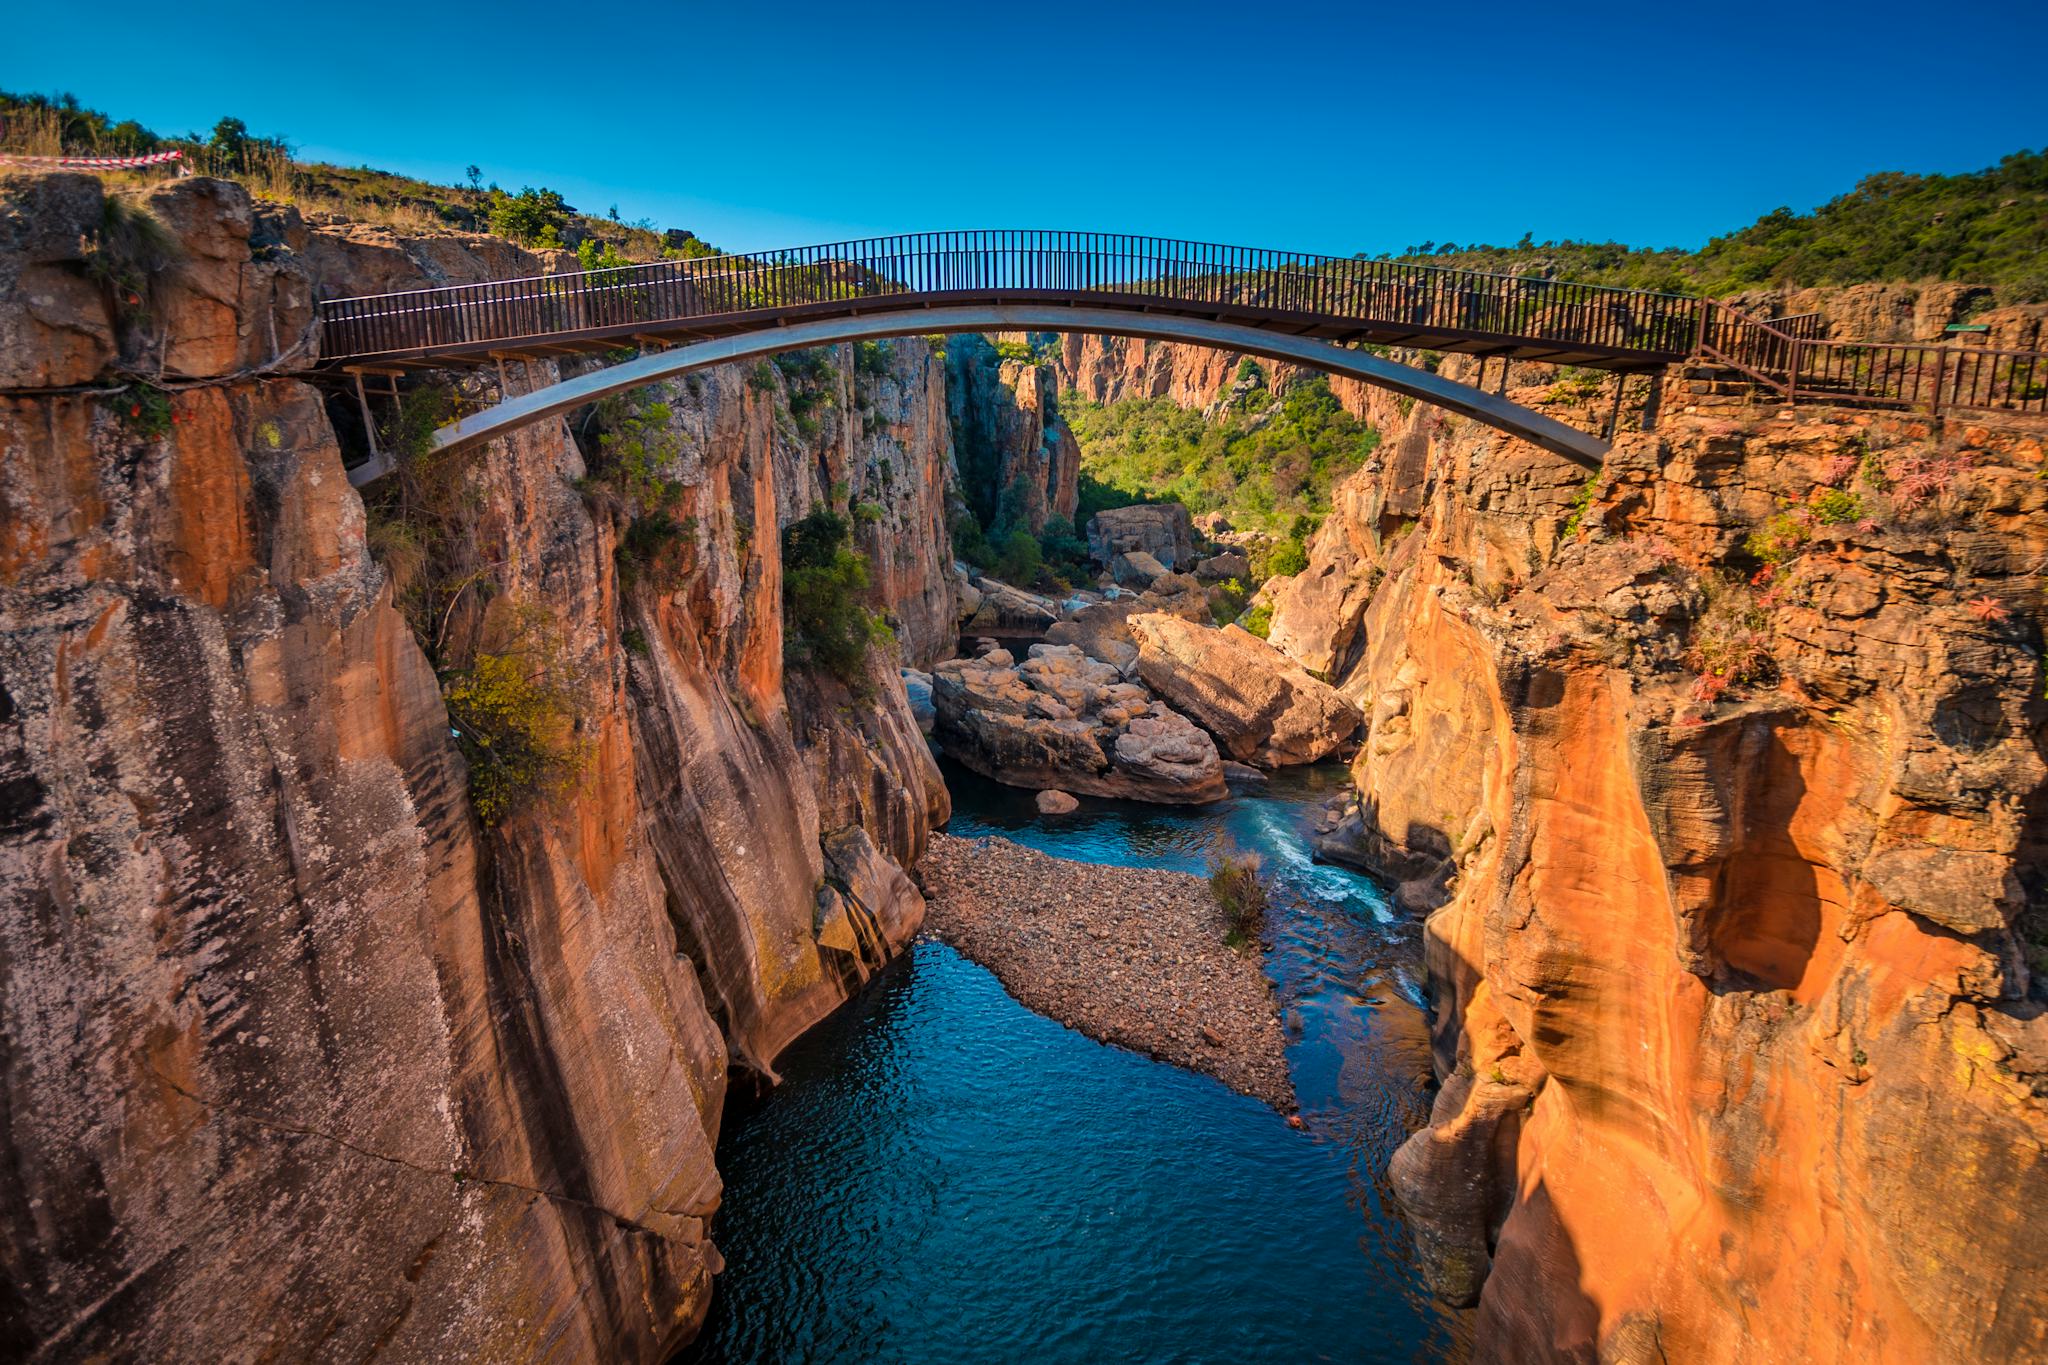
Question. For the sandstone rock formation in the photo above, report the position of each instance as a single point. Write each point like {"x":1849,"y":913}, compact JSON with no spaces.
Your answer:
{"x":1056,"y":803}
{"x":1732,"y":889}
{"x":307,"y":1060}
{"x":1063,"y":720}
{"x":1261,"y":706}
{"x":1103,"y":631}
{"x":1161,"y":530}
{"x":1018,"y":462}
{"x":999,"y":609}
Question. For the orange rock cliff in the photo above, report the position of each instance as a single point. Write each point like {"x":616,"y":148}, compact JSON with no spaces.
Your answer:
{"x":286,"y":1026}
{"x":1719,"y":776}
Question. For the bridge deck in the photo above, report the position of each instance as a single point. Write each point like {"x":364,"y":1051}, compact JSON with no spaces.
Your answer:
{"x":1335,"y":299}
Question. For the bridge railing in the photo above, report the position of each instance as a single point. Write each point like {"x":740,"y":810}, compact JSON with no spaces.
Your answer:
{"x":1885,"y":374}
{"x":1388,"y":296}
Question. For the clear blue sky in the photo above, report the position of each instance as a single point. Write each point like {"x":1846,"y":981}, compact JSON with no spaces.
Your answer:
{"x":1316,"y":126}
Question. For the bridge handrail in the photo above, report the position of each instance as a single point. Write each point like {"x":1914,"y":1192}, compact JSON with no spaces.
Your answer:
{"x":755,"y":261}
{"x":1887,"y":373}
{"x":1608,"y":318}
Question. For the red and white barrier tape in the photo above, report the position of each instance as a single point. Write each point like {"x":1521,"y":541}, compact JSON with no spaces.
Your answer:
{"x":93,"y":163}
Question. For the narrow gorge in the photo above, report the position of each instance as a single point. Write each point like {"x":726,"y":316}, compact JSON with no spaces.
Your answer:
{"x":448,"y":917}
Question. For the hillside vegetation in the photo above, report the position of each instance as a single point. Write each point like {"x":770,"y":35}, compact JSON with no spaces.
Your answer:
{"x":1266,"y":461}
{"x":43,"y":125}
{"x":1983,"y":227}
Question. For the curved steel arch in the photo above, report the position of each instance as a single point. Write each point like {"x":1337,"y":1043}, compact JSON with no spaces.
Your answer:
{"x":512,"y":413}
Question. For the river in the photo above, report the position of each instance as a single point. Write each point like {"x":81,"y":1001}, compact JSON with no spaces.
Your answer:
{"x":945,"y":1176}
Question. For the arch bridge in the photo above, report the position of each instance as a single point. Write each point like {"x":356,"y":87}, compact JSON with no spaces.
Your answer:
{"x":1329,"y":313}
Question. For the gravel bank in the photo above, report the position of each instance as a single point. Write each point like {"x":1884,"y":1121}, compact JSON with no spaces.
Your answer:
{"x":1129,"y":956}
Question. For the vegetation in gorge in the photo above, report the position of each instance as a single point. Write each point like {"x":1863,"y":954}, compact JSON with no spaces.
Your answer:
{"x":514,"y":690}
{"x":827,"y":625}
{"x":1268,"y":462}
{"x":1982,"y":227}
{"x":1239,"y":886}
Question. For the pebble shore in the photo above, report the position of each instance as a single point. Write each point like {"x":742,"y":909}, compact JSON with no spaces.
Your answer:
{"x":1129,"y":956}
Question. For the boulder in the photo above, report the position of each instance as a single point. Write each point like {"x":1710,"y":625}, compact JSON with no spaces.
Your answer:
{"x":1229,"y":564}
{"x":1161,"y":530}
{"x":1102,"y":629}
{"x":918,"y":688}
{"x":1053,"y":801}
{"x":1137,"y":569}
{"x":1061,"y":720}
{"x":1262,"y":707}
{"x":1009,"y":611}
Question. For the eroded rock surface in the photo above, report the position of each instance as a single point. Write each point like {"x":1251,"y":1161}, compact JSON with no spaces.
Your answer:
{"x":1262,"y":707}
{"x":306,"y":1060}
{"x":1061,"y":720}
{"x":1159,"y":530}
{"x":1732,"y":887}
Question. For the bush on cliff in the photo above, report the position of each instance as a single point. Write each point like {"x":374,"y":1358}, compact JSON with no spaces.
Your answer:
{"x":637,"y":447}
{"x":826,"y":626}
{"x":515,"y":710}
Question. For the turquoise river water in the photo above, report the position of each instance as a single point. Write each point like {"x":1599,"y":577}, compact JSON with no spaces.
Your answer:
{"x":945,"y":1176}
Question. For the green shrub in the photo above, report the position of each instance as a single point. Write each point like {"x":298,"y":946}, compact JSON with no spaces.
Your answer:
{"x":1286,"y":559}
{"x":826,"y":626}
{"x":1240,"y":888}
{"x":515,"y":710}
{"x":871,"y":358}
{"x":534,"y":217}
{"x":1065,"y":553}
{"x":637,"y":446}
{"x":1582,"y":503}
{"x":145,"y":412}
{"x":1018,"y":556}
{"x":970,"y":542}
{"x":1259,"y":621}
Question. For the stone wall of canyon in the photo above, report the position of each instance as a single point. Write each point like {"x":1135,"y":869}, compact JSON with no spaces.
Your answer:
{"x":1736,"y":965}
{"x":1736,"y":897}
{"x":287,"y":1027}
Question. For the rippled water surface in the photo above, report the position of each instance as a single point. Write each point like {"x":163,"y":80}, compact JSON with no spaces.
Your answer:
{"x":945,"y":1176}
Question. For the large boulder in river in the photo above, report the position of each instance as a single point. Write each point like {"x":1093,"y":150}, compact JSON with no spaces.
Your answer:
{"x":1102,"y":629}
{"x":1262,"y":707}
{"x":1161,"y":530}
{"x":1137,"y":569}
{"x":1063,"y":720}
{"x":1000,"y":609}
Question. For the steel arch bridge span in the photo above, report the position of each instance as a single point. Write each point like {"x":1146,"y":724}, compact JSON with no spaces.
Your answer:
{"x":511,"y":414}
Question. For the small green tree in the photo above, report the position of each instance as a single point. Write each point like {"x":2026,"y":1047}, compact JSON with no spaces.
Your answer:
{"x":534,"y":217}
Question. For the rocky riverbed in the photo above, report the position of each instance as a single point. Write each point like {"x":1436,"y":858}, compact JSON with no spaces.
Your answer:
{"x":1130,"y":956}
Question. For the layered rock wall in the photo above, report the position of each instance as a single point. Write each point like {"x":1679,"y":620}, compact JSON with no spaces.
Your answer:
{"x":1018,"y":463}
{"x":303,"y":1060}
{"x":1719,"y":779}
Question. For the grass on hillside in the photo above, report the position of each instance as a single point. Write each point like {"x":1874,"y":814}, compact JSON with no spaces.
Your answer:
{"x":41,"y":125}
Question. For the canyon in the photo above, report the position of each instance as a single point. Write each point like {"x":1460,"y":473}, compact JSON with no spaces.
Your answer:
{"x":1716,"y":779}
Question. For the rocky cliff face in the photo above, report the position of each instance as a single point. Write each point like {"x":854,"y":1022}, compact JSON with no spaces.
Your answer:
{"x":1019,"y":465}
{"x":303,"y":1059}
{"x":1720,"y":780}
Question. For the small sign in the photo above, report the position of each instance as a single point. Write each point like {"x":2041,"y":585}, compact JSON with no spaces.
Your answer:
{"x":1967,"y":327}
